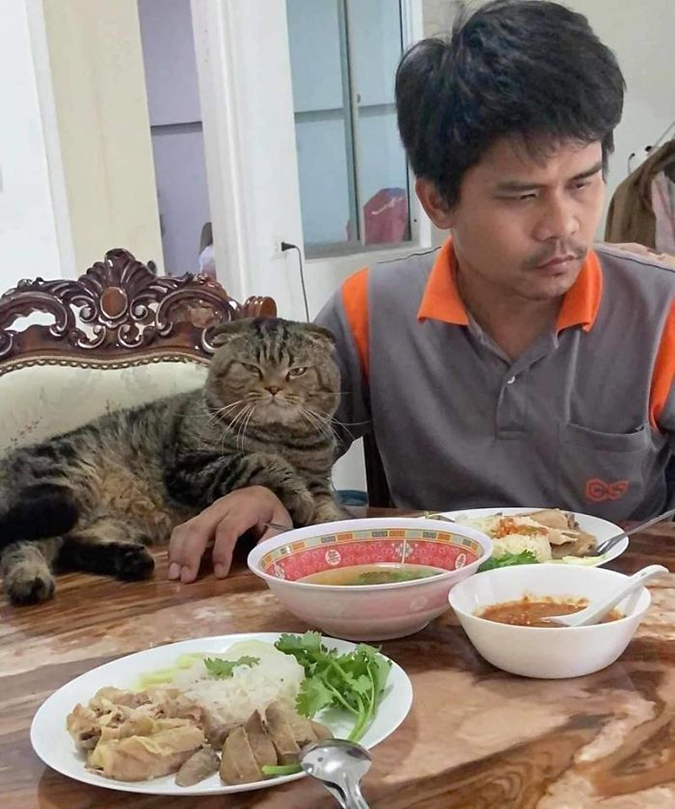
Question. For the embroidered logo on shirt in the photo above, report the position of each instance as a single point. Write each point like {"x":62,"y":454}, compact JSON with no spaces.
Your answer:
{"x":598,"y":491}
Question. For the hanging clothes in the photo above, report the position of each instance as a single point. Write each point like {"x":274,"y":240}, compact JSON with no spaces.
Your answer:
{"x":644,"y":204}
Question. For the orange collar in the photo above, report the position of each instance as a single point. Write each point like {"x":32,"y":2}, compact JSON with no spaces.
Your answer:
{"x":441,"y":299}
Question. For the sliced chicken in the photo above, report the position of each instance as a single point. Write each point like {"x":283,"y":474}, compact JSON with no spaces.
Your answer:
{"x":238,"y":764}
{"x":554,"y":518}
{"x":139,"y":758}
{"x":281,"y":733}
{"x":322,"y":732}
{"x":263,"y":749}
{"x":199,"y":766}
{"x":82,"y":724}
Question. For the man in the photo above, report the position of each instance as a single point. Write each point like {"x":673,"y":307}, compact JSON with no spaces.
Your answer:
{"x":515,"y":366}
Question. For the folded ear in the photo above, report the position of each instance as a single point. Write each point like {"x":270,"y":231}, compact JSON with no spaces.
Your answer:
{"x":224,"y":332}
{"x":319,"y":334}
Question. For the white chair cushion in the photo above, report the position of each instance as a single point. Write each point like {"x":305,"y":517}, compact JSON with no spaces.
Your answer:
{"x":40,"y":401}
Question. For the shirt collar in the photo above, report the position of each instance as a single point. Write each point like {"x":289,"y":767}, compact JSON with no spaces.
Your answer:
{"x":441,"y":299}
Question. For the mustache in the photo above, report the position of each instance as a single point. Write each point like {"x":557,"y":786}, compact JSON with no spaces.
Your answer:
{"x":547,"y":253}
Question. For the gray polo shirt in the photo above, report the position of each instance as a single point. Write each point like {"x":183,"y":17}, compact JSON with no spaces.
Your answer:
{"x":583,"y":420}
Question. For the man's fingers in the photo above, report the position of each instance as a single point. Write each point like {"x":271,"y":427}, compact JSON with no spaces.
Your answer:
{"x":228,"y":532}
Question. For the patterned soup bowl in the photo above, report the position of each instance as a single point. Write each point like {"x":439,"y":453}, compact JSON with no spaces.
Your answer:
{"x":369,"y":611}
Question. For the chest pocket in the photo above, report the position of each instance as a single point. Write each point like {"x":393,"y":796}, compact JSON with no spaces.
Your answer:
{"x":602,"y":473}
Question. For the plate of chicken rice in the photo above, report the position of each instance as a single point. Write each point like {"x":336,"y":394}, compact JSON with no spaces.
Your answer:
{"x":218,"y":715}
{"x":542,"y":535}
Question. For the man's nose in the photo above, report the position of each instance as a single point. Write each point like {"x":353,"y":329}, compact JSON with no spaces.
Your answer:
{"x":558,"y":221}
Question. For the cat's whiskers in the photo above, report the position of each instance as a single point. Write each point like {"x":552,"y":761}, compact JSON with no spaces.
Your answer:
{"x":245,"y":424}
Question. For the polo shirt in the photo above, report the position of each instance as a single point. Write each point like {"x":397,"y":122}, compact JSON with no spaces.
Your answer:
{"x":584,"y":419}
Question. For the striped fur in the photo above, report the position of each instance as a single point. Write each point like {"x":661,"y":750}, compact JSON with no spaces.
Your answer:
{"x":94,"y":498}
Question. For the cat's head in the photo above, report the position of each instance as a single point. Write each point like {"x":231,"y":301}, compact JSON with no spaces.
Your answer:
{"x":273,"y":371}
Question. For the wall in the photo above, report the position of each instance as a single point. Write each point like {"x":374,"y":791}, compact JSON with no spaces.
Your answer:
{"x":29,"y":243}
{"x":99,"y":91}
{"x":176,"y":127}
{"x":641,"y":35}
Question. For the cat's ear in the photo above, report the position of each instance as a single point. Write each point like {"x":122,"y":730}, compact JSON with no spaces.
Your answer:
{"x":224,"y":332}
{"x":319,"y":334}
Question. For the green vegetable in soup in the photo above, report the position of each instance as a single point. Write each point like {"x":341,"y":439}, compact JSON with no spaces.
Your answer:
{"x":508,"y":560}
{"x":377,"y":573}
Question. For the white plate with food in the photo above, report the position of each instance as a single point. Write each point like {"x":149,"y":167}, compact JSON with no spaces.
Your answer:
{"x":550,"y":535}
{"x":218,"y":709}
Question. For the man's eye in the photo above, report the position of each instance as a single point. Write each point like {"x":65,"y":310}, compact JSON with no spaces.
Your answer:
{"x":299,"y":371}
{"x":579,"y":186}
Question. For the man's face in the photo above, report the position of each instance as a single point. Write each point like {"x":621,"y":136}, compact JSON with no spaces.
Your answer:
{"x":524,"y":224}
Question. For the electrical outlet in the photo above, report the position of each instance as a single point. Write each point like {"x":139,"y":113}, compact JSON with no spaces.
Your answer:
{"x":277,"y":252}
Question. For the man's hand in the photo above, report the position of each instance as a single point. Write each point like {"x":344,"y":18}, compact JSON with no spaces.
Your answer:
{"x":224,"y":522}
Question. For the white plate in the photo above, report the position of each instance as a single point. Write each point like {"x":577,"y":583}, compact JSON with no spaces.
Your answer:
{"x":52,"y":742}
{"x":601,"y":529}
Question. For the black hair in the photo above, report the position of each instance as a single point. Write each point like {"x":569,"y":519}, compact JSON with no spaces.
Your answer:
{"x":525,"y":68}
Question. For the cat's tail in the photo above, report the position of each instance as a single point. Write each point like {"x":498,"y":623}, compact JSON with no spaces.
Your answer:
{"x":41,"y":511}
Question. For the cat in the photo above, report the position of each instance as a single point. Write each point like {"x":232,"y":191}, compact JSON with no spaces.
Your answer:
{"x":93,"y":498}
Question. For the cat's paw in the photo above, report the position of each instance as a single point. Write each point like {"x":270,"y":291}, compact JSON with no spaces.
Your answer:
{"x":328,"y":511}
{"x":300,"y":505}
{"x":133,"y":562}
{"x":30,"y":589}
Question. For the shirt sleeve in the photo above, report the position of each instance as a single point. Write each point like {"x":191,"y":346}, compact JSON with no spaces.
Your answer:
{"x":346,"y":316}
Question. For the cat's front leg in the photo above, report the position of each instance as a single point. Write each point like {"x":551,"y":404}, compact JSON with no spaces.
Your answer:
{"x":326,"y":509}
{"x":26,"y":570}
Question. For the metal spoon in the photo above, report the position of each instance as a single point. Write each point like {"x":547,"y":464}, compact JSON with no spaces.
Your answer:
{"x":339,"y":765}
{"x":603,"y":547}
{"x":595,"y":613}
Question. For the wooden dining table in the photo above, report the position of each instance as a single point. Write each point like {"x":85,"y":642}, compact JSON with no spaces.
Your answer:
{"x":475,"y":738}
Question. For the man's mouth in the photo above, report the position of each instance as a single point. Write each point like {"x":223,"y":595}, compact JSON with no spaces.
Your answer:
{"x":556,"y":261}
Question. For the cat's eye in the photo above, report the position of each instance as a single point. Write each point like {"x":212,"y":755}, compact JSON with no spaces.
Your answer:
{"x":250,"y":367}
{"x":298,"y":371}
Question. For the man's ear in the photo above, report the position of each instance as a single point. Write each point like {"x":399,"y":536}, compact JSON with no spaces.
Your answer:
{"x":436,"y":207}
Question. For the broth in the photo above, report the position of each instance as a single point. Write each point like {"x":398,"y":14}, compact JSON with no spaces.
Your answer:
{"x":383,"y":573}
{"x":530,"y":611}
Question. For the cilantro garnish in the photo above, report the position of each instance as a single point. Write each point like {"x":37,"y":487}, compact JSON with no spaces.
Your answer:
{"x":354,"y":681}
{"x":221,"y":669}
{"x":509,"y":559}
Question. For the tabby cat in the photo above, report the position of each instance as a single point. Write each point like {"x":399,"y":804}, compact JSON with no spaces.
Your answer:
{"x":92,"y":499}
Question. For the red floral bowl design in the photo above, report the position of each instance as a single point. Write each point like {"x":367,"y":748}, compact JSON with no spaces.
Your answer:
{"x":376,"y":611}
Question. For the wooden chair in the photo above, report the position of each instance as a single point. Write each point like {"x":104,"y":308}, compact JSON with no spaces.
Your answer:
{"x":118,"y":335}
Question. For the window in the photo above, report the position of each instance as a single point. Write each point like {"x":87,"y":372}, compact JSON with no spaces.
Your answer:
{"x":354,"y":181}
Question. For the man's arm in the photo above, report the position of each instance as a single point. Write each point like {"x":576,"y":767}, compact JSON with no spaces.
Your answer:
{"x":346,"y":316}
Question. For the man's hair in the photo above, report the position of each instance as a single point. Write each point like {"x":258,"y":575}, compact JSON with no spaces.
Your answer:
{"x":529,"y":69}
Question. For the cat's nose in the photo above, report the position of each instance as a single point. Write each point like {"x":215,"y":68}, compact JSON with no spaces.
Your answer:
{"x":273,"y":389}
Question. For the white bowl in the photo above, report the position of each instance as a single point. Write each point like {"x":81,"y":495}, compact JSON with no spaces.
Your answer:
{"x":545,"y":652}
{"x":375,"y":611}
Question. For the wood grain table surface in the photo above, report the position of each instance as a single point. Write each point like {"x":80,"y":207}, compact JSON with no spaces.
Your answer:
{"x":476,"y":738}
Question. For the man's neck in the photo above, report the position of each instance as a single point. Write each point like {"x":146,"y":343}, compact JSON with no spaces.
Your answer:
{"x":513,"y":322}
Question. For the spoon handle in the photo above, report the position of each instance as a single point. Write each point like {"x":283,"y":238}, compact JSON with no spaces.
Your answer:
{"x":603,"y":547}
{"x":634,"y":581}
{"x":355,"y":799}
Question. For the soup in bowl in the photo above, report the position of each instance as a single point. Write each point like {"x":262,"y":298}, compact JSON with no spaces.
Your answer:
{"x":369,"y":579}
{"x":497,"y":611}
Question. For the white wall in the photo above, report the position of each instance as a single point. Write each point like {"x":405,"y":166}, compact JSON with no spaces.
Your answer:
{"x":102,"y":117}
{"x":28,"y":229}
{"x":176,"y":126}
{"x":640,"y":32}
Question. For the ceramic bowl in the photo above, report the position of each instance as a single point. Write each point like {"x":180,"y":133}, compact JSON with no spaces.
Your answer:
{"x":546,"y":652}
{"x":376,"y":611}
